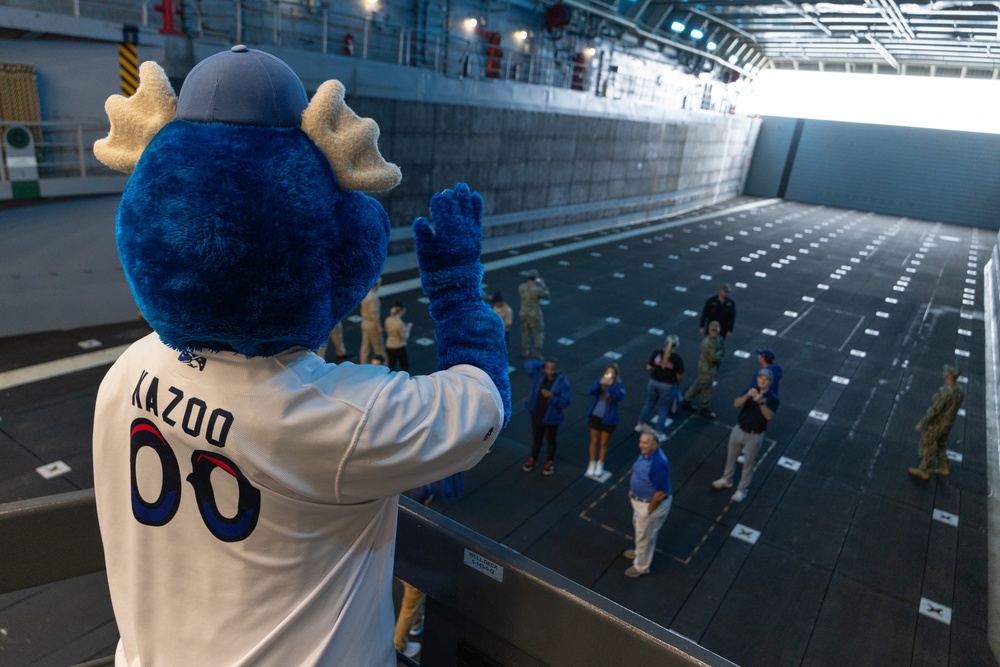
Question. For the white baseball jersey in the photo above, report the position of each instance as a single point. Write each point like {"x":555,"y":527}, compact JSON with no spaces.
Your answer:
{"x":248,"y":506}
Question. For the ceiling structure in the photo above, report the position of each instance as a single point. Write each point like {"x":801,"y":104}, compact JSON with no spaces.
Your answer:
{"x":955,"y":38}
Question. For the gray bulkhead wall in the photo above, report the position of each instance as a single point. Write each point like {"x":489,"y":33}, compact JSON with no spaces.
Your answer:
{"x":991,"y":276}
{"x":74,"y":78}
{"x":542,"y":158}
{"x":770,"y":156}
{"x":930,"y":174}
{"x":542,"y":170}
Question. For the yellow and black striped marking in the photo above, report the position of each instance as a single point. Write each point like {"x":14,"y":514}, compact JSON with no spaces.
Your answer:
{"x":128,"y":61}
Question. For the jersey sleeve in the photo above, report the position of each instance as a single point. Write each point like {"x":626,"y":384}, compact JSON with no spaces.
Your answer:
{"x":420,"y":429}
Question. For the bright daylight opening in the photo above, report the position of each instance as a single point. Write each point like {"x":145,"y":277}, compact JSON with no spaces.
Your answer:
{"x":970,"y":105}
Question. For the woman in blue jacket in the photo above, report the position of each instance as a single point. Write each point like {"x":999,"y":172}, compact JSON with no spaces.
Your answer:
{"x":607,"y":391}
{"x":549,"y":394}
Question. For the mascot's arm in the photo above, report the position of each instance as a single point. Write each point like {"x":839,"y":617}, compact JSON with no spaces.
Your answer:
{"x":468,"y":331}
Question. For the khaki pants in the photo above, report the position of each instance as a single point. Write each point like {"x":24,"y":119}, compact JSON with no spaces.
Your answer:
{"x":647,"y":528}
{"x":746,"y":443}
{"x":336,"y":341}
{"x":371,"y":342}
{"x":410,"y":614}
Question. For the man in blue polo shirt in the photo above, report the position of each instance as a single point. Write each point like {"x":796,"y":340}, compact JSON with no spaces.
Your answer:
{"x":757,"y":407}
{"x":650,"y":494}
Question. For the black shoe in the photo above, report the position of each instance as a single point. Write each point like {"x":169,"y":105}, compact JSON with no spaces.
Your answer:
{"x":707,"y":414}
{"x":686,"y":405}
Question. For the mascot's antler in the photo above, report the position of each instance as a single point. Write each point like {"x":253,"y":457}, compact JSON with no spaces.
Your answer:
{"x":135,"y":120}
{"x":350,"y":143}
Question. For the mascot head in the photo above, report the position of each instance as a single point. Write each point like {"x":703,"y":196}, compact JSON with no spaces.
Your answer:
{"x":243,"y":226}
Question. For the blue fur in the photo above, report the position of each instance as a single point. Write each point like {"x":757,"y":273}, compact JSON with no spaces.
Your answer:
{"x":475,"y":337}
{"x":451,"y":274}
{"x":266,"y":254}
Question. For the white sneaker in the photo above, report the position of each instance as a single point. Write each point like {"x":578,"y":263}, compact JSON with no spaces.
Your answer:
{"x":662,"y":437}
{"x":598,"y":468}
{"x":667,"y":422}
{"x":639,"y":427}
{"x":412,"y":649}
{"x":722,"y":483}
{"x":591,"y":468}
{"x":739,"y":496}
{"x":741,"y":459}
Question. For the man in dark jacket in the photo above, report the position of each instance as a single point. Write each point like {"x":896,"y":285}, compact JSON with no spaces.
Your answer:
{"x":719,"y":308}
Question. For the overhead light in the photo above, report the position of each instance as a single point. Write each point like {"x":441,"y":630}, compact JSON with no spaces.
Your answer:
{"x":677,"y":26}
{"x":371,"y":4}
{"x":521,"y":35}
{"x":696,"y":34}
{"x":711,"y":46}
{"x":733,"y":59}
{"x":470,"y":23}
{"x":591,"y":52}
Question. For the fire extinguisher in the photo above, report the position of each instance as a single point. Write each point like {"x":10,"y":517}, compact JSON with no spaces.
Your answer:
{"x":349,"y":44}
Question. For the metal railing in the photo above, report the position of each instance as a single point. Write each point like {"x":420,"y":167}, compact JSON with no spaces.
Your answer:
{"x":63,"y":150}
{"x":478,"y":591}
{"x":322,"y":27}
{"x":117,"y":11}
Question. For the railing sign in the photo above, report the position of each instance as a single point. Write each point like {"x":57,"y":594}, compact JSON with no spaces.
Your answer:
{"x":484,"y":565}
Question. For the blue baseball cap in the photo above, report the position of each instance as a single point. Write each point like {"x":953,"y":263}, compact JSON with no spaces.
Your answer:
{"x":767,"y":353}
{"x":242,"y":86}
{"x":767,"y":372}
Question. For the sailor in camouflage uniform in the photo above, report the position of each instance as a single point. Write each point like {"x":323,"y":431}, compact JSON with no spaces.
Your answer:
{"x":936,"y":425}
{"x":530,"y":313}
{"x":713,"y":349}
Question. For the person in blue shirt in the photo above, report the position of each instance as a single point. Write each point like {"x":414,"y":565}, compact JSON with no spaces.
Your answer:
{"x":549,"y":394}
{"x":607,"y":391}
{"x":651,"y":495}
{"x":765,"y":357}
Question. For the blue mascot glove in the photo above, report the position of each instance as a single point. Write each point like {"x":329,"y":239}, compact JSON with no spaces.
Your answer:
{"x":468,"y":331}
{"x":450,"y":271}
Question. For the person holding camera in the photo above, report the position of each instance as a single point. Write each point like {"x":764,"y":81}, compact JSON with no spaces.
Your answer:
{"x":607,"y":391}
{"x":757,"y":407}
{"x":532,"y":325}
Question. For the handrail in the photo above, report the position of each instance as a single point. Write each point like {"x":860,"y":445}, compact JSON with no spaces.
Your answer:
{"x":477,"y":590}
{"x":457,"y":52}
{"x":35,"y":534}
{"x":485,"y":589}
{"x":65,"y":149}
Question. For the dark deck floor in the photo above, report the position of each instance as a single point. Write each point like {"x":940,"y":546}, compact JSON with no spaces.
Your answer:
{"x":836,"y":557}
